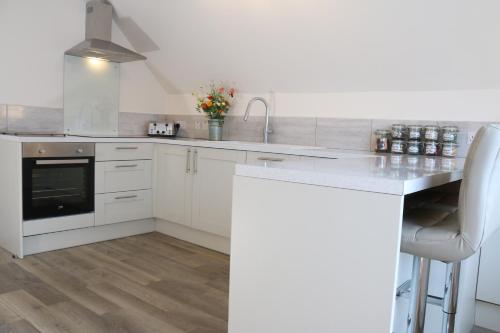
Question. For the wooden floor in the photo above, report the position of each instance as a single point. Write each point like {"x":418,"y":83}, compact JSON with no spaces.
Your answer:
{"x":147,"y":283}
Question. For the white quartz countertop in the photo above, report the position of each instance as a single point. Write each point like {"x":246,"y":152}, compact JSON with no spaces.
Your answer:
{"x":357,"y":170}
{"x":233,"y":145}
{"x":390,"y":174}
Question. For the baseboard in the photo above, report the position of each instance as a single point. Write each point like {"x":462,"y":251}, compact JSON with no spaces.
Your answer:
{"x":77,"y":237}
{"x":488,"y":315}
{"x":205,"y":239}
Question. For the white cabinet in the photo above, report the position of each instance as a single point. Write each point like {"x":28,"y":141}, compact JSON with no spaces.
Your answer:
{"x":194,"y":187}
{"x":55,"y":224}
{"x":213,"y":172}
{"x":117,"y":176}
{"x":173,"y":184}
{"x":123,"y":182}
{"x":488,"y":287}
{"x":123,"y":151}
{"x":123,"y":206}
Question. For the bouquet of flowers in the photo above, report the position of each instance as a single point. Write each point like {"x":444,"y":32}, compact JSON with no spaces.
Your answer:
{"x":215,"y":102}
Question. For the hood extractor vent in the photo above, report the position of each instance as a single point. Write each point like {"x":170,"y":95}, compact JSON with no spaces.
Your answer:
{"x":97,"y":43}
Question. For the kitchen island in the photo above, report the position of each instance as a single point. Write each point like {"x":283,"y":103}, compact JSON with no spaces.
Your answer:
{"x":315,"y":245}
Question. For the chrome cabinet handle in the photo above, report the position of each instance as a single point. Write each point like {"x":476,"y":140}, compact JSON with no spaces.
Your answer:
{"x":126,"y":166}
{"x":126,"y":197}
{"x":124,"y":148}
{"x":188,"y":161}
{"x":195,"y":162}
{"x":271,"y":159}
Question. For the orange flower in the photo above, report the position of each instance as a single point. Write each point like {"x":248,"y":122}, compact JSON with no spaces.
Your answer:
{"x":204,"y":106}
{"x":210,"y":97}
{"x":209,"y":103}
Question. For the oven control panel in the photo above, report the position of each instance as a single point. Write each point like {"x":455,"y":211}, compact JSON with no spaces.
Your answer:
{"x":57,"y":149}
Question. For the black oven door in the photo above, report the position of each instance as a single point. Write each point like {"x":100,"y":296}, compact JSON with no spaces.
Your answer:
{"x":55,"y":187}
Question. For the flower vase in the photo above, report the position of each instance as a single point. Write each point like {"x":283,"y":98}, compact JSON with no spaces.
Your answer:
{"x":215,"y":129}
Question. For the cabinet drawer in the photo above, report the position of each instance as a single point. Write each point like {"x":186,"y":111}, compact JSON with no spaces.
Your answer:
{"x":123,"y":151}
{"x":119,"y":176}
{"x":123,"y":206}
{"x":55,"y":224}
{"x":253,"y":157}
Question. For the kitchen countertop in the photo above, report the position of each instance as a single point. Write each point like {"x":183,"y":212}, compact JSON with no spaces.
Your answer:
{"x":349,"y":169}
{"x":233,"y":145}
{"x":389,"y":174}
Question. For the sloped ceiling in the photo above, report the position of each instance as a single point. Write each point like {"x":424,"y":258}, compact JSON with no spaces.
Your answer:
{"x":320,"y":45}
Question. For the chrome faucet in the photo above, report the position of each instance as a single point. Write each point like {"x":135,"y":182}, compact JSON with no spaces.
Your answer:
{"x":267,"y":131}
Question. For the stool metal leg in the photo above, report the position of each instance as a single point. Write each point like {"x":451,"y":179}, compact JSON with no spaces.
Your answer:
{"x":418,"y":300}
{"x":450,"y":296}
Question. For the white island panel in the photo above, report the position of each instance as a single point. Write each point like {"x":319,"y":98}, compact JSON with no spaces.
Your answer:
{"x":310,"y":258}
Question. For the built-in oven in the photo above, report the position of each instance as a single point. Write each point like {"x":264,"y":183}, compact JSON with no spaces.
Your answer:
{"x":58,"y":179}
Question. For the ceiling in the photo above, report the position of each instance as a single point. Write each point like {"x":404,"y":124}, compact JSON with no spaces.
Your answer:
{"x":317,"y":45}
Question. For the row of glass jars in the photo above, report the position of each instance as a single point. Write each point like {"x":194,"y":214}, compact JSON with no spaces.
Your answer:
{"x":428,"y":148}
{"x":402,"y":139}
{"x":427,"y":133}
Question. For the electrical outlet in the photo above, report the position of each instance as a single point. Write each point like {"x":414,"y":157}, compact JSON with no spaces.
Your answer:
{"x":197,"y":125}
{"x":470,"y":137}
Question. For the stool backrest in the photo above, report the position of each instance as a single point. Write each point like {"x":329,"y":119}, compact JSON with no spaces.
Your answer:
{"x":479,"y":204}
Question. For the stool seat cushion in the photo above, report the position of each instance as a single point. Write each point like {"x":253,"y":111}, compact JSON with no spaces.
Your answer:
{"x":434,"y":233}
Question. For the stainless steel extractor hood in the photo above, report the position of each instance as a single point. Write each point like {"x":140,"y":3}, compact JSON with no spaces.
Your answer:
{"x":97,"y":43}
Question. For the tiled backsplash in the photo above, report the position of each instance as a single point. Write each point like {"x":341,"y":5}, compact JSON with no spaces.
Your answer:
{"x":136,"y":124}
{"x":353,"y":134}
{"x":22,"y":119}
{"x":27,"y":119}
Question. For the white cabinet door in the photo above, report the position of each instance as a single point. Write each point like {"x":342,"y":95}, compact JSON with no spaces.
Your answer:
{"x":173,"y":184}
{"x":119,"y":176}
{"x":123,"y":206}
{"x":488,"y":285}
{"x":213,"y":171}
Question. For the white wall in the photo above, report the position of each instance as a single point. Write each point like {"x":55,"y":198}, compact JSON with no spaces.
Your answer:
{"x":326,"y":58}
{"x":459,"y":105}
{"x":335,"y":58}
{"x":34,"y":35}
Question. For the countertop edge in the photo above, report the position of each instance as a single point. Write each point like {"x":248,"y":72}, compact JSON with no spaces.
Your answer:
{"x":310,"y":151}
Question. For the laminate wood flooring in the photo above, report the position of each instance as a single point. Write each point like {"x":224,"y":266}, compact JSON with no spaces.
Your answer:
{"x":145,"y":283}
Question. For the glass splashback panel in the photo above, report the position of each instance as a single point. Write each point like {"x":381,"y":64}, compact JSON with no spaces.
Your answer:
{"x":91,"y":96}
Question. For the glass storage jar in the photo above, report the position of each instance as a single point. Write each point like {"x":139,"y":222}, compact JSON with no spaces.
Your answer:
{"x":450,"y":134}
{"x":414,"y":147}
{"x":450,"y":149}
{"x":398,"y":131}
{"x":382,"y":140}
{"x":398,"y":147}
{"x":431,"y":133}
{"x":414,"y":132}
{"x":431,"y":148}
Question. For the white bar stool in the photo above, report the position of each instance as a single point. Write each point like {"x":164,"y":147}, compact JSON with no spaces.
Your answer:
{"x":437,"y":234}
